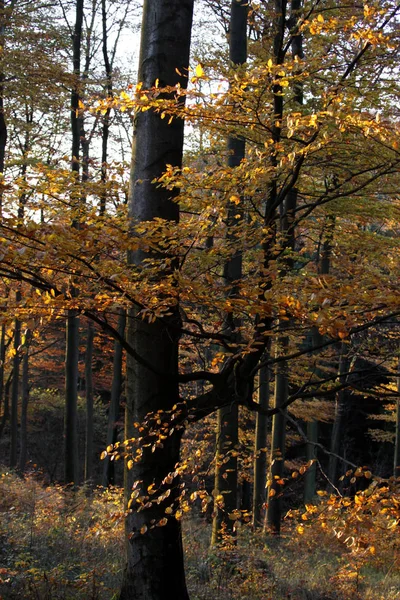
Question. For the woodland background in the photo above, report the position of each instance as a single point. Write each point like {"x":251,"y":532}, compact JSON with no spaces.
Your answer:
{"x":217,"y":319}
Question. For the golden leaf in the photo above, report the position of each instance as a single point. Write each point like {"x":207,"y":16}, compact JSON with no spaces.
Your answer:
{"x":199,"y":71}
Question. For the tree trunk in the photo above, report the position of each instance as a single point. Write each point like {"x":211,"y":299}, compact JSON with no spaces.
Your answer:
{"x":340,"y":408}
{"x":278,"y":441}
{"x":275,"y":488}
{"x":24,"y":405}
{"x":71,"y":398}
{"x":15,"y":390}
{"x":260,"y":450}
{"x":113,"y":412}
{"x":311,"y":473}
{"x":89,"y":403}
{"x":154,"y":568}
{"x":226,"y":466}
{"x":72,"y":327}
{"x":2,"y":361}
{"x":226,"y":474}
{"x":3,"y":124}
{"x":396,"y":462}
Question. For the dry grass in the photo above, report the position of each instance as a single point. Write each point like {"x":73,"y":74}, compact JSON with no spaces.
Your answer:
{"x":59,"y":545}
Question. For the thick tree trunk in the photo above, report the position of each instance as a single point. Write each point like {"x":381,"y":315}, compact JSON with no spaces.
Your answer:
{"x":113,"y":412}
{"x":260,"y":450}
{"x":226,"y":466}
{"x":154,"y":569}
{"x":89,"y":403}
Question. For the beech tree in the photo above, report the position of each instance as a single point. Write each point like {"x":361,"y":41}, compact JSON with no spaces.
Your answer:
{"x":155,"y":561}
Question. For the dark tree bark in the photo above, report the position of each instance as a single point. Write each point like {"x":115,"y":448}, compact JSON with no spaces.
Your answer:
{"x":72,"y":327}
{"x":278,"y":441}
{"x":15,"y":390}
{"x":3,"y":124}
{"x":24,"y":404}
{"x":396,"y":461}
{"x":2,"y":361}
{"x":71,"y":397}
{"x":340,"y":407}
{"x":113,"y":413}
{"x":260,"y":450}
{"x":106,"y":117}
{"x":154,"y":568}
{"x":323,"y":266}
{"x":89,"y":403}
{"x":226,"y":467}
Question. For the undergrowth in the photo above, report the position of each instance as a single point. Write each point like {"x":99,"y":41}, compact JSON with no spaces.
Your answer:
{"x":59,"y":544}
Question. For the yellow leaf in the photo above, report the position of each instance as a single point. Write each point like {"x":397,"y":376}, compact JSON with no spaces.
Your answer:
{"x":320,"y":18}
{"x":103,"y":455}
{"x":300,"y":529}
{"x":162,"y":522}
{"x":129,"y":464}
{"x":199,"y":71}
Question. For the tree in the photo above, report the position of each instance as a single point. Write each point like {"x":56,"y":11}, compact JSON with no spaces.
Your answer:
{"x":226,"y":468}
{"x":155,"y":560}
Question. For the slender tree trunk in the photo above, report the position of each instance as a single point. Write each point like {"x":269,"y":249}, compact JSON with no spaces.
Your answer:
{"x":89,"y":403}
{"x":113,"y":413}
{"x":313,"y":426}
{"x":311,"y":454}
{"x":72,"y":327}
{"x":106,"y":116}
{"x":6,"y":412}
{"x":24,"y":405}
{"x":3,"y":124}
{"x":396,"y":462}
{"x":278,"y":440}
{"x":154,"y":568}
{"x":260,"y":450}
{"x":71,"y":398}
{"x":226,"y":466}
{"x":2,"y":361}
{"x":226,"y":475}
{"x":340,"y":409}
{"x":15,"y":390}
{"x":275,"y":488}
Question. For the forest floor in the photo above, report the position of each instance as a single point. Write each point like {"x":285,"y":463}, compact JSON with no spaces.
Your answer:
{"x":59,"y":545}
